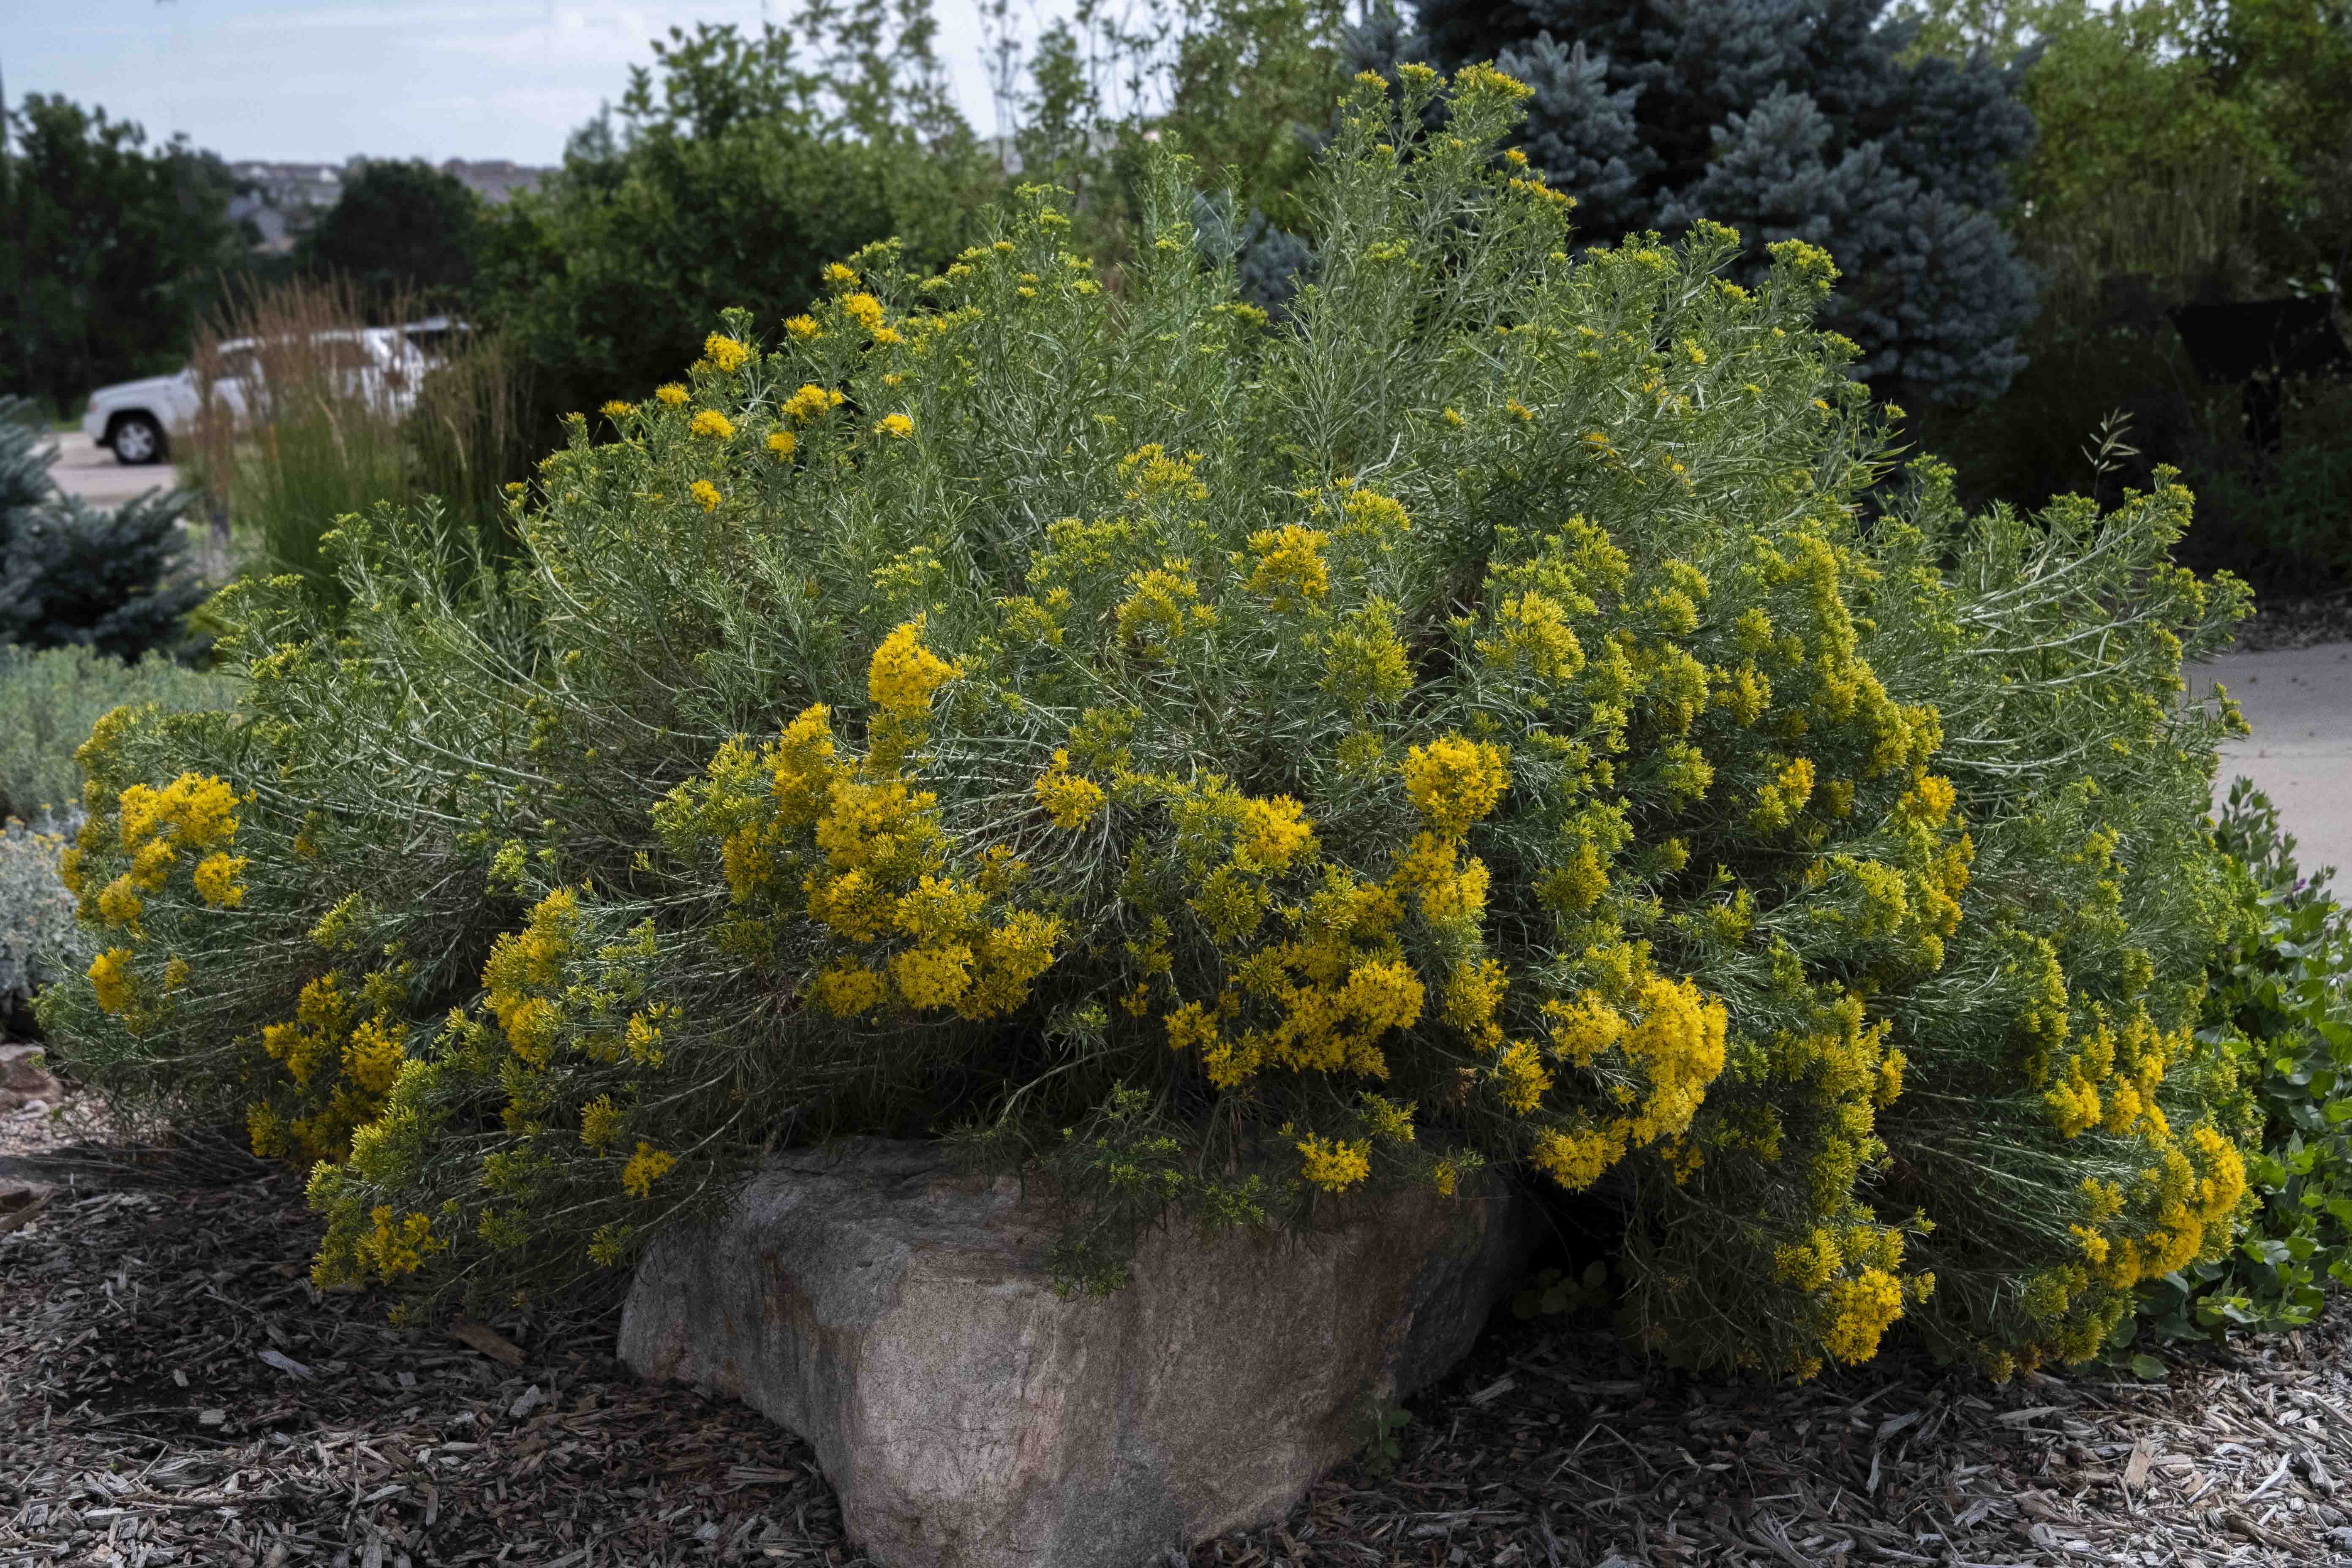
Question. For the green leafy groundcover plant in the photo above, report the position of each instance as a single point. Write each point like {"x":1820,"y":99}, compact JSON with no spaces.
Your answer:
{"x":1472,"y":722}
{"x":2279,"y":1004}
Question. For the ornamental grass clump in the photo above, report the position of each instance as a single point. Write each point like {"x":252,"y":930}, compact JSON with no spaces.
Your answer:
{"x":1475,"y":722}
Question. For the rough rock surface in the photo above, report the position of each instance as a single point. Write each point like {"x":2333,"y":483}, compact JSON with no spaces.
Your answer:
{"x":900,"y":1317}
{"x":22,"y":1080}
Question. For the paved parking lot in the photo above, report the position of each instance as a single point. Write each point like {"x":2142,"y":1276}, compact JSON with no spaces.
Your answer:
{"x":89,"y":471}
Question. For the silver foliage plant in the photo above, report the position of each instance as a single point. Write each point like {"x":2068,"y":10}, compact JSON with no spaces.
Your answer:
{"x":39,"y":939}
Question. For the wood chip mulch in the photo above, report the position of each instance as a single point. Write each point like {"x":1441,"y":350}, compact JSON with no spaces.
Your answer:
{"x":172,"y":1390}
{"x":2280,"y":622}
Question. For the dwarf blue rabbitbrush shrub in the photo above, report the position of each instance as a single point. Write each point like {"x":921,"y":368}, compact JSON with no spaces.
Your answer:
{"x":1226,"y":763}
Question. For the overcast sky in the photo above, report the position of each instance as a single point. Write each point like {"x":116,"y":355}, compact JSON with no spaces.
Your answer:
{"x":323,"y":80}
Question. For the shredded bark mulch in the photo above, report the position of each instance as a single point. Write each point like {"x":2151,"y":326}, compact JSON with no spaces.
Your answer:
{"x":2283,"y":622}
{"x":173,"y":1390}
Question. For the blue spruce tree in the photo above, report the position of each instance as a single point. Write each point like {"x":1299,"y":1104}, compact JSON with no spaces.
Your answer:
{"x":1785,"y":119}
{"x":1583,"y":134}
{"x":71,"y":575}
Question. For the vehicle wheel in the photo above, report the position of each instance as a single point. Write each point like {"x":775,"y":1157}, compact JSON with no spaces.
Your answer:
{"x":136,"y":439}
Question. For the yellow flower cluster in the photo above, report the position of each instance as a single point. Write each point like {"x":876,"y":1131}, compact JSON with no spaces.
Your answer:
{"x":1332,"y":992}
{"x":1672,"y":1047}
{"x":726,"y":355}
{"x":1473,"y":995}
{"x":1853,"y":1073}
{"x":1861,"y":1310}
{"x":1453,"y":782}
{"x":2193,"y":1201}
{"x":904,"y":673}
{"x":712,"y":423}
{"x":400,"y":1244}
{"x":216,"y":880}
{"x":114,"y":980}
{"x":1162,"y":605}
{"x":645,"y":1167}
{"x":2109,"y":1081}
{"x":1532,"y":633}
{"x":1289,"y":572}
{"x":1071,"y":800}
{"x":1852,"y":1274}
{"x":809,"y":402}
{"x":601,"y":1122}
{"x":359,"y":1036}
{"x":525,"y":972}
{"x":1334,"y":1166}
{"x":874,"y":864}
{"x":1364,"y":661}
{"x":1158,"y":477}
{"x":154,"y":830}
{"x":1779,"y":800}
{"x":373,"y":1056}
{"x":2182,"y":1208}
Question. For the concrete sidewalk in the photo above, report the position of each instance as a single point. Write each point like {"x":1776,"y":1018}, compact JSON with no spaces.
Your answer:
{"x":2299,"y":702}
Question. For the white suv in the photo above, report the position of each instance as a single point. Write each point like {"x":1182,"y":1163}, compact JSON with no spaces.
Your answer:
{"x":140,"y":420}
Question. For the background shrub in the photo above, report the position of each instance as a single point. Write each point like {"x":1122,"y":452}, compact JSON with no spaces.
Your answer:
{"x":53,"y":698}
{"x":403,"y":234}
{"x":2283,"y":518}
{"x":733,"y":175}
{"x":40,"y":940}
{"x":72,"y":576}
{"x":2280,"y":1004}
{"x":2187,"y":155}
{"x":1228,"y":764}
{"x":319,"y":439}
{"x":319,"y":434}
{"x":1786,"y":123}
{"x":109,"y":249}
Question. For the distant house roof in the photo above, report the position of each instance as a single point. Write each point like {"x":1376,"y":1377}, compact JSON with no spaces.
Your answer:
{"x":282,"y":201}
{"x":495,"y":180}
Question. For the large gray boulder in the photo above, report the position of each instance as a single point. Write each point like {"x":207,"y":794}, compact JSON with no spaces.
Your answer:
{"x":900,"y":1317}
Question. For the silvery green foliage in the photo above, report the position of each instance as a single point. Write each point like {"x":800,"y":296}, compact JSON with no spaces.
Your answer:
{"x":38,"y":940}
{"x":1581,"y":132}
{"x":1269,"y":263}
{"x":1785,"y":119}
{"x":52,"y":698}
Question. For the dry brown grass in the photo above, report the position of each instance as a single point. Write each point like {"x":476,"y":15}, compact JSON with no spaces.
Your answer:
{"x":320,"y":437}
